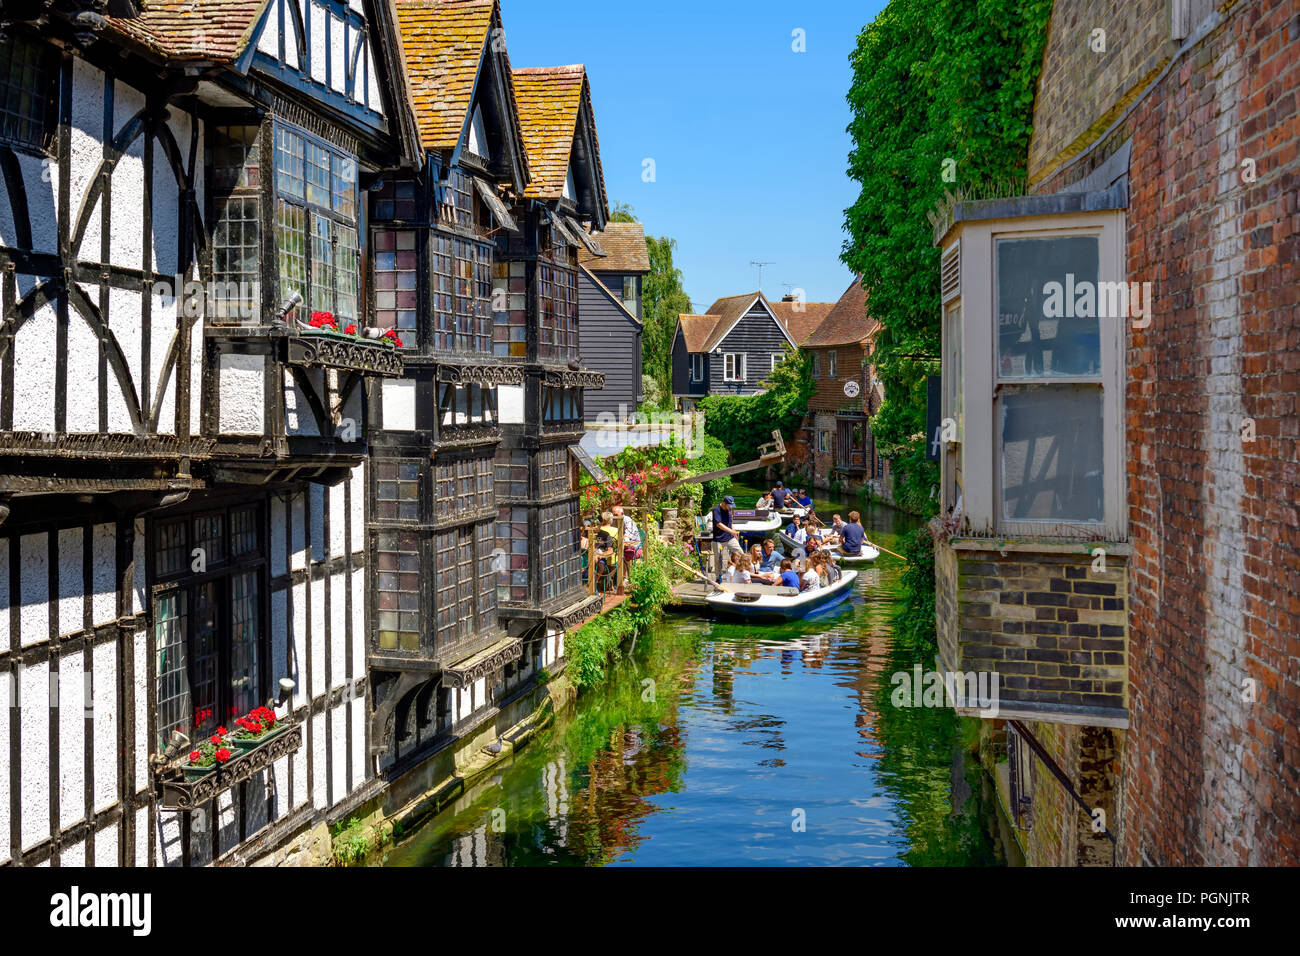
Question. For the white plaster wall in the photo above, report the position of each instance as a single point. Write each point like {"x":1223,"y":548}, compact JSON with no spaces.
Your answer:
{"x":41,"y":182}
{"x":34,"y":615}
{"x":358,"y":480}
{"x":317,"y":681}
{"x":280,"y":771}
{"x":83,"y":375}
{"x":358,"y":705}
{"x":142,"y":837}
{"x":300,"y":773}
{"x":73,"y":855}
{"x":141,"y":556}
{"x":358,"y":633}
{"x":35,"y":346}
{"x":255,"y":812}
{"x":302,"y":689}
{"x":372,"y":79}
{"x":338,"y":54}
{"x":319,"y":42}
{"x":268,"y":37}
{"x":126,"y":247}
{"x":104,"y":700}
{"x":124,"y":321}
{"x":278,"y":517}
{"x":298,"y":417}
{"x":72,"y":740}
{"x":242,"y":394}
{"x":103,"y":602}
{"x":106,"y":845}
{"x":510,"y":404}
{"x":141,"y":710}
{"x":34,"y":738}
{"x":339,"y":747}
{"x":298,"y":544}
{"x":162,"y":332}
{"x":338,"y":629}
{"x":397,"y":396}
{"x":338,"y":520}
{"x":87,"y":135}
{"x":71,"y":570}
{"x":318,"y":744}
{"x":291,"y":34}
{"x":316,"y":505}
{"x":279,"y":633}
{"x":227,"y":821}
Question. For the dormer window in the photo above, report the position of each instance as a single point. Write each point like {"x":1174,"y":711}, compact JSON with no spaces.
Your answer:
{"x":570,"y":190}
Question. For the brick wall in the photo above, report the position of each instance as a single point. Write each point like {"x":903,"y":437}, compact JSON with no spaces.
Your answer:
{"x":1081,"y":92}
{"x":1049,"y":625}
{"x":828,"y":391}
{"x":1211,"y":776}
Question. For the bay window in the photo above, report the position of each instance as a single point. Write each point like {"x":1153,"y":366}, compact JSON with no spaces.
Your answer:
{"x":1038,"y":411}
{"x":208,"y":595}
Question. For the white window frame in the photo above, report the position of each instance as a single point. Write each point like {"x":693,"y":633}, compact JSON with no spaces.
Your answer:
{"x":834,"y":364}
{"x":973,"y":400}
{"x":777,"y":359}
{"x":730,"y":361}
{"x":697,"y":367}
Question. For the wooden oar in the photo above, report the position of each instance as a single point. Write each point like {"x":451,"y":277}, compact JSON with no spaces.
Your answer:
{"x":886,"y":550}
{"x":704,"y":578}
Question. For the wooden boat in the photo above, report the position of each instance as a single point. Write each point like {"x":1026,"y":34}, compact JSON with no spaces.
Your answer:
{"x":764,"y":602}
{"x":787,"y":542}
{"x":749,"y":523}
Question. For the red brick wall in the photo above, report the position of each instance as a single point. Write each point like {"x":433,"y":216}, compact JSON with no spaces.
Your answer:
{"x":828,"y":393}
{"x":1210,"y":776}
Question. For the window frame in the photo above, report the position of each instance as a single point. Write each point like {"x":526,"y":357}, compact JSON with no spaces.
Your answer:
{"x":979,"y":395}
{"x":777,"y":359}
{"x":815,"y":369}
{"x":185,"y":584}
{"x":730,"y":358}
{"x":834,"y":364}
{"x":46,"y":99}
{"x":697,"y":367}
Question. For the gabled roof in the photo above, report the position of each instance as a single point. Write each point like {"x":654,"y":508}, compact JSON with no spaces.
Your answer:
{"x":443,"y":42}
{"x":731,"y":309}
{"x":696,"y":330}
{"x":847,"y":322}
{"x":549,"y":99}
{"x":215,"y":30}
{"x":803,"y":321}
{"x":624,"y":246}
{"x":605,"y":290}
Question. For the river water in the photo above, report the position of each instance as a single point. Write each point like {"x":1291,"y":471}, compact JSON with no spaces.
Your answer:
{"x":715,"y":743}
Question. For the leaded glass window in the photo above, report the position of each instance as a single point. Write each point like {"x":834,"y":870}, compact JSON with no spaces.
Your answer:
{"x":397,"y":570}
{"x":397,"y":490}
{"x":396,"y":264}
{"x":26,"y":90}
{"x":512,"y":473}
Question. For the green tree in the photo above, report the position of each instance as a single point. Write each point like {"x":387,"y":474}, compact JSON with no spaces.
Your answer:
{"x":743,"y":423}
{"x":942,"y":103}
{"x":662,"y":300}
{"x":622,"y":212}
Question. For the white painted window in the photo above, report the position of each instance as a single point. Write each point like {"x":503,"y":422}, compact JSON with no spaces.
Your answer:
{"x":824,"y":441}
{"x":1038,"y":410}
{"x":834,"y":363}
{"x":777,"y":359}
{"x":697,"y":368}
{"x":733,"y":367}
{"x":629,"y":293}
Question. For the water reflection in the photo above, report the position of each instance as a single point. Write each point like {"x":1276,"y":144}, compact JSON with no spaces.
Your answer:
{"x":717,"y":743}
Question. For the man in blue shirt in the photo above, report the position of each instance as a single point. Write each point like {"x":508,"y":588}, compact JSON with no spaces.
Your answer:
{"x":771,"y":557}
{"x":779,"y":494}
{"x":724,"y":535}
{"x":803,"y":499}
{"x":853,"y":535}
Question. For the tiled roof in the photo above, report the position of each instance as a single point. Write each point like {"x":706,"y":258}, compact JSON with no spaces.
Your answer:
{"x":549,"y":99}
{"x":442,"y":46}
{"x":696,"y":329}
{"x":216,"y":30}
{"x":802,"y":322}
{"x":729,"y":309}
{"x":847,"y":321}
{"x":624,"y":246}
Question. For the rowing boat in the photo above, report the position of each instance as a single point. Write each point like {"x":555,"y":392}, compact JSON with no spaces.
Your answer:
{"x":865,"y":556}
{"x":757,"y":526}
{"x":763,"y":602}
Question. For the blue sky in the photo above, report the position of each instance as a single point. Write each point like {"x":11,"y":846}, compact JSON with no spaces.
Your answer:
{"x":748,"y":137}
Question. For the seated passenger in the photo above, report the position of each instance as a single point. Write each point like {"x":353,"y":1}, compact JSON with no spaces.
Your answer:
{"x":802,"y":498}
{"x":809,"y":579}
{"x":853,"y":535}
{"x":771,"y":559}
{"x":789,"y":576}
{"x":765,"y":503}
{"x":735,"y":573}
{"x":779,"y":495}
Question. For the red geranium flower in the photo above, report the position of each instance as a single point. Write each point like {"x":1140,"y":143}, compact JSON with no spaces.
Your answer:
{"x":351,"y":329}
{"x":222,"y":755}
{"x":195,"y":756}
{"x":221,"y":731}
{"x":216,"y":741}
{"x":391,"y":335}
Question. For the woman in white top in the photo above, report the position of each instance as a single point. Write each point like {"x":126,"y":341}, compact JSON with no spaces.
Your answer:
{"x":765,"y":503}
{"x":809,"y":578}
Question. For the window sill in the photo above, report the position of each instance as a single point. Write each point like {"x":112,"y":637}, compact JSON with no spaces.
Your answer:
{"x":1021,"y":544}
{"x":176,"y":792}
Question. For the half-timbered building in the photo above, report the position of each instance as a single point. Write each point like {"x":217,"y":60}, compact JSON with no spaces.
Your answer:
{"x":183,"y":478}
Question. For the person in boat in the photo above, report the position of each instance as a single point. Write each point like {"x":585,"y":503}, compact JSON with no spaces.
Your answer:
{"x":779,"y":496}
{"x":766,"y":503}
{"x":725,"y":539}
{"x":853,"y":536}
{"x":789,"y":576}
{"x":837,"y":527}
{"x":631,"y":535}
{"x":818,"y":563}
{"x":762,"y":571}
{"x":802,"y":499}
{"x":771,"y":558}
{"x":809,"y":579}
{"x":736,"y":572}
{"x":798,"y":533}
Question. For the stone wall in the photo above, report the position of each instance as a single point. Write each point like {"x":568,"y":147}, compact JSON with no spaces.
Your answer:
{"x":1051,"y":625}
{"x":1212,"y":761}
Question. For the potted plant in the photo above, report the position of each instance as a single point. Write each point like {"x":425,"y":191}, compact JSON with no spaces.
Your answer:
{"x":256,"y":727}
{"x":209,"y":755}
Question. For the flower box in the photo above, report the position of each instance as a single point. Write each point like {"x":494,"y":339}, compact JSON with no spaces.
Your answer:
{"x":246,"y":744}
{"x":186,"y":788}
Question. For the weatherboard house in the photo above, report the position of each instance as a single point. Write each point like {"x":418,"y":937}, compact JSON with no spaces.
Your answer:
{"x":733,"y":348}
{"x":609,"y":337}
{"x":226,"y":499}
